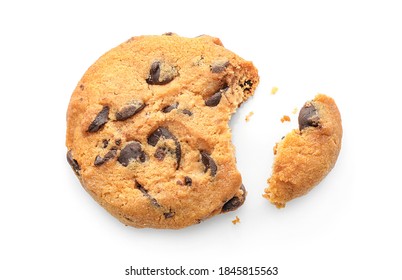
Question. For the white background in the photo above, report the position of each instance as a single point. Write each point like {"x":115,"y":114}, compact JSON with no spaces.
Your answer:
{"x":348,"y":227}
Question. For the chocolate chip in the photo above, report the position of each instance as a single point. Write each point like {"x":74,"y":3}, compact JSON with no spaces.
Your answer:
{"x":100,"y":120}
{"x":109,"y":155}
{"x":73,"y":163}
{"x":232,"y":204}
{"x":235,"y":202}
{"x":178,"y":153}
{"x":208,"y":162}
{"x":154,"y":73}
{"x":154,"y":137}
{"x":118,"y":142}
{"x":188,"y":181}
{"x":168,"y":215}
{"x":214,"y":100}
{"x":105,"y":142}
{"x":153,"y":201}
{"x":160,"y":73}
{"x":219,"y":66}
{"x":247,"y":85}
{"x":82,"y":87}
{"x":132,"y":151}
{"x":169,"y":108}
{"x":187,"y":112}
{"x":160,"y":153}
{"x":308,"y":116}
{"x":98,"y":161}
{"x":129,"y":111}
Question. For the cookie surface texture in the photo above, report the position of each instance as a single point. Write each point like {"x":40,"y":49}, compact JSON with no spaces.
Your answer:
{"x":306,"y":155}
{"x":148,"y":133}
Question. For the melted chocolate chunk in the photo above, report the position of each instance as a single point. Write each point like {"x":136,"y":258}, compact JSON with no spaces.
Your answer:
{"x":118,"y":142}
{"x":214,"y":100}
{"x":219,"y":66}
{"x":188,"y":181}
{"x":73,"y":163}
{"x":308,"y":116}
{"x":163,"y":132}
{"x":187,"y":112}
{"x":153,"y":201}
{"x":100,"y":120}
{"x":160,"y":153}
{"x":247,"y":85}
{"x":232,"y":204}
{"x":129,"y":111}
{"x":155,"y":76}
{"x":154,"y":137}
{"x":169,"y":108}
{"x":208,"y":162}
{"x":109,"y":155}
{"x":178,"y":153}
{"x":168,"y":215}
{"x":132,"y":151}
{"x":235,"y":202}
{"x":105,"y":142}
{"x":98,"y":160}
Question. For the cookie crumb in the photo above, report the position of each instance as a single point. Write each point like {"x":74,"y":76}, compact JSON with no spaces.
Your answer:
{"x":274,"y":90}
{"x":249,"y":116}
{"x":235,"y":221}
{"x":275,"y":148}
{"x":285,"y":118}
{"x":295,"y":110}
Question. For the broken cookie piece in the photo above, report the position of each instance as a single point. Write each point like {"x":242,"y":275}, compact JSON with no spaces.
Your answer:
{"x":306,"y":155}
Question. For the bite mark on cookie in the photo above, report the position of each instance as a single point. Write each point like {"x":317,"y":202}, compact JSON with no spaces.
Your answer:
{"x":182,"y":81}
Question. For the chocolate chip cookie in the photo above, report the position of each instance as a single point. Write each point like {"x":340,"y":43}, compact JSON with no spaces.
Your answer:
{"x":306,"y":155}
{"x":148,"y":134}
